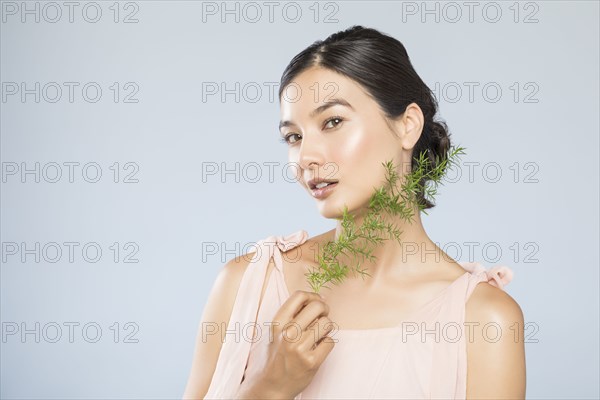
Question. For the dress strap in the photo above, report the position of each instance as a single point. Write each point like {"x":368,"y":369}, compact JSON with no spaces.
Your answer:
{"x":235,"y":349}
{"x":499,"y":275}
{"x":449,"y":365}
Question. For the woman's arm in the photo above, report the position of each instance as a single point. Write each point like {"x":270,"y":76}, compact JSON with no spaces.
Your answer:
{"x":495,"y":362}
{"x":217,"y":312}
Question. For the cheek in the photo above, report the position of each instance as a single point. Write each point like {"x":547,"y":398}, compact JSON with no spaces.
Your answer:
{"x":360,"y":157}
{"x":352,"y":147}
{"x":356,"y":153}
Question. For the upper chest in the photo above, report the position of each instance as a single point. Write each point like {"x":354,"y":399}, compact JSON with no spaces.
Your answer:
{"x":357,"y":304}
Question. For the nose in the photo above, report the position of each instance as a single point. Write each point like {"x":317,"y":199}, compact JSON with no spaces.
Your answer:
{"x":311,"y":153}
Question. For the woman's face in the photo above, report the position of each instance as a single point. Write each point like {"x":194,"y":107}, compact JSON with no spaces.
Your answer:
{"x":336,"y":131}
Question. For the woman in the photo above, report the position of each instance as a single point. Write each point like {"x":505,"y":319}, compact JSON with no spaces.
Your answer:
{"x":408,"y":330}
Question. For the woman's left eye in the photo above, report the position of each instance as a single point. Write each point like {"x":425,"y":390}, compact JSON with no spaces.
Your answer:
{"x":334,"y":119}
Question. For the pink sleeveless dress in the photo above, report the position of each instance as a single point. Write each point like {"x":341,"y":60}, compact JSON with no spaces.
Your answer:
{"x":424,"y":357}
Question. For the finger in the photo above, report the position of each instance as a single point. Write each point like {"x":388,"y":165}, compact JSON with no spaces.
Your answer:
{"x":315,"y":333}
{"x":293,"y":305}
{"x":309,"y":314}
{"x":323,"y":348}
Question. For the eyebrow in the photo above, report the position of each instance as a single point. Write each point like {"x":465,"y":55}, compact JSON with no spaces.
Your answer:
{"x":320,"y":109}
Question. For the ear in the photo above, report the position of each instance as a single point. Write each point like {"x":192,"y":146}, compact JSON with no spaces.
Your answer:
{"x":409,"y":126}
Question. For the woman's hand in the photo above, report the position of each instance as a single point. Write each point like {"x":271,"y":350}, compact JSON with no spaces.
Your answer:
{"x":299,"y":345}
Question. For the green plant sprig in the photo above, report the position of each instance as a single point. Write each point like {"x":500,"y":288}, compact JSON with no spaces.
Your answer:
{"x":385,"y":200}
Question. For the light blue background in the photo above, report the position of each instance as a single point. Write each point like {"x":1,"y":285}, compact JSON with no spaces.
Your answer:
{"x":171,"y":213}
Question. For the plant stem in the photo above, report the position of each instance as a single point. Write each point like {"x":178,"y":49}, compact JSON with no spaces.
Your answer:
{"x":384,"y":201}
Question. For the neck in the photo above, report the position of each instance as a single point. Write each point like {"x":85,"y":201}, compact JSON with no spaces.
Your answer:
{"x":411,"y":256}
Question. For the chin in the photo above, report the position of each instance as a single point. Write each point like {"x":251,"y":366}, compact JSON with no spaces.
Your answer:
{"x":331,"y":209}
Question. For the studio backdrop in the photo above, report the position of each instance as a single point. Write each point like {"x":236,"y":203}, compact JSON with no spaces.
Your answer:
{"x":140,"y":152}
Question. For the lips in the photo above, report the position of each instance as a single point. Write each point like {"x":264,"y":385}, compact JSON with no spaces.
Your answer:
{"x":322,"y":192}
{"x":315,"y":184}
{"x":321,"y":185}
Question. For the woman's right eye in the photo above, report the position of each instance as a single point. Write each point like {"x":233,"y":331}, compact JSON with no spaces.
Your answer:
{"x":286,"y":139}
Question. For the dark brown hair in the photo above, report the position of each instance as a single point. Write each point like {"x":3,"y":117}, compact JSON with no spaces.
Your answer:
{"x":380,"y":64}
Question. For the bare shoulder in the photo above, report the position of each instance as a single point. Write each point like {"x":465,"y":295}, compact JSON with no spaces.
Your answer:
{"x":211,"y":330}
{"x":492,"y":304}
{"x":226,"y":285}
{"x":495,"y":344}
{"x":232,"y":272}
